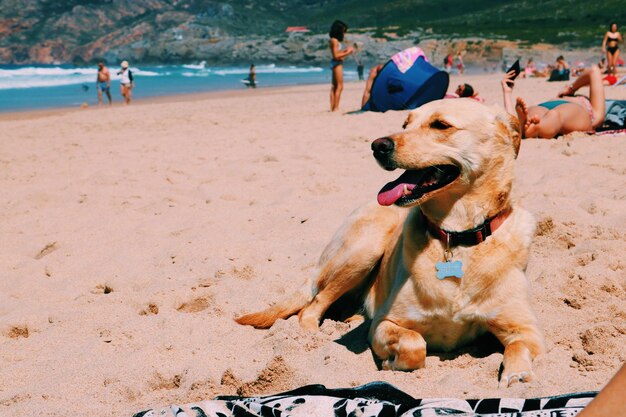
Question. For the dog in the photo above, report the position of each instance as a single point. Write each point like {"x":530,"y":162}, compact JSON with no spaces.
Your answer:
{"x":443,"y":254}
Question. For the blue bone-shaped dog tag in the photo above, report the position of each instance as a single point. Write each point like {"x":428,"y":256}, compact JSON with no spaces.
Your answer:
{"x":449,"y":269}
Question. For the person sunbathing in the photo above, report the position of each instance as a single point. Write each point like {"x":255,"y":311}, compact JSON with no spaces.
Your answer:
{"x":566,"y":114}
{"x":464,"y":91}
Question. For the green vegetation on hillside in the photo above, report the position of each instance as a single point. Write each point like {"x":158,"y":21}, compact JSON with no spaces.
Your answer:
{"x":553,"y":21}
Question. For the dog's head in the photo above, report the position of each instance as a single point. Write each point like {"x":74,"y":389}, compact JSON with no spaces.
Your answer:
{"x":449,"y":148}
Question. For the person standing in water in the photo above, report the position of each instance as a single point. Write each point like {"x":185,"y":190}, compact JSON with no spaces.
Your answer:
{"x":251,"y":80}
{"x":359,"y":64}
{"x":103,"y":82}
{"x":337,"y":32}
{"x":126,"y":81}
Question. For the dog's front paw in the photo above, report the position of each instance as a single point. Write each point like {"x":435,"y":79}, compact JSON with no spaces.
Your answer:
{"x":394,"y":363}
{"x":310,"y":323}
{"x":518,"y":364}
{"x":509,"y":379}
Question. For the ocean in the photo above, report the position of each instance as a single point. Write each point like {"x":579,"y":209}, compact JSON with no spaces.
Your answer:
{"x":49,"y":86}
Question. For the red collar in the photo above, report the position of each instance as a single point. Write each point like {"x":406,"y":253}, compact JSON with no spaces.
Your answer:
{"x":469,"y":237}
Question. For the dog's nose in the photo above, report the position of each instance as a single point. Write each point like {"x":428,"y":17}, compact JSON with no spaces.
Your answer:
{"x":382,"y":148}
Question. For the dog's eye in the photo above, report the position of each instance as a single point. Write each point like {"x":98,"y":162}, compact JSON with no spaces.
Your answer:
{"x":440,"y":125}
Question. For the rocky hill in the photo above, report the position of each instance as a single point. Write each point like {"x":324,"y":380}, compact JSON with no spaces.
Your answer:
{"x":235,"y":31}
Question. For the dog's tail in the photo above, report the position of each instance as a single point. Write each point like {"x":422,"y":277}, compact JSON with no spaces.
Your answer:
{"x":283,"y":309}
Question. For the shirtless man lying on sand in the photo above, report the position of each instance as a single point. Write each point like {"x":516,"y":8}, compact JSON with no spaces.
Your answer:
{"x":566,"y":114}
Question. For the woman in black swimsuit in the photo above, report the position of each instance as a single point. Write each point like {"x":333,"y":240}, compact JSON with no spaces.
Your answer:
{"x":610,"y":46}
{"x":337,"y":32}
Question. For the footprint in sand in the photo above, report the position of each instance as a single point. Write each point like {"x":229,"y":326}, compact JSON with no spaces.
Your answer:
{"x":603,"y":339}
{"x":247,"y":272}
{"x":160,"y":382}
{"x":106,"y":336}
{"x":194,"y":306}
{"x":102,"y":289}
{"x":250,"y":177}
{"x":203,"y":389}
{"x":228,"y":197}
{"x":567,"y":241}
{"x":151,"y":310}
{"x":275,"y":377}
{"x":586,"y":258}
{"x":15,"y":332}
{"x":323,"y":189}
{"x":544,"y":226}
{"x":46,"y":250}
{"x":583,"y":361}
{"x":616,"y":265}
{"x":572,"y":302}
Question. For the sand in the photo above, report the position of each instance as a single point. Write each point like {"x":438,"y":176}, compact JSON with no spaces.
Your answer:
{"x":131,"y":237}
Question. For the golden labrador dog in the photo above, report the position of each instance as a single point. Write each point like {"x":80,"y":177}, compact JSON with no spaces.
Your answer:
{"x":443,"y":252}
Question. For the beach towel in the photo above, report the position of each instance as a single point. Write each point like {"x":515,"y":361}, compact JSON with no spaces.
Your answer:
{"x":373,"y":399}
{"x":406,"y":82}
{"x":615,"y":118}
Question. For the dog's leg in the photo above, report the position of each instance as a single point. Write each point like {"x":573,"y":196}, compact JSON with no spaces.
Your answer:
{"x":350,"y":257}
{"x":400,"y":349}
{"x":517,"y":364}
{"x":516,"y":328}
{"x":522,"y":342}
{"x":340,"y":278}
{"x":354,"y":251}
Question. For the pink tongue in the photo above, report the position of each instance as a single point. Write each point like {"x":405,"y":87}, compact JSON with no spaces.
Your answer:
{"x":388,"y":197}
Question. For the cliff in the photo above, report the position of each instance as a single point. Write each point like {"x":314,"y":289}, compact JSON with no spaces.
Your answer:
{"x":235,"y":31}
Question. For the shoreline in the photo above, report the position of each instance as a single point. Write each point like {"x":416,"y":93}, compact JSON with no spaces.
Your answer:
{"x":166,"y":98}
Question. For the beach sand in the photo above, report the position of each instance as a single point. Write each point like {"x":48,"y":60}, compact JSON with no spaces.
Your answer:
{"x":131,"y":237}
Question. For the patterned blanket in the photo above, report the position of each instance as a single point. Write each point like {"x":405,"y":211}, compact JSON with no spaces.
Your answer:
{"x":373,"y":399}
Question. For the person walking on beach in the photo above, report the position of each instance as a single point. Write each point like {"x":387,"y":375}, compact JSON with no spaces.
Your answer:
{"x":610,"y":46}
{"x":337,"y":32}
{"x":103,"y":83}
{"x":560,"y":116}
{"x":126,"y":81}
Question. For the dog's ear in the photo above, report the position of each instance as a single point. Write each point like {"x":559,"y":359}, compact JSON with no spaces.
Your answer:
{"x":511,"y":129}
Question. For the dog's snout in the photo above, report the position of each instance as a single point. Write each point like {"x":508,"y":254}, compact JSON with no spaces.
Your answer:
{"x":383,"y":152}
{"x":382,"y":148}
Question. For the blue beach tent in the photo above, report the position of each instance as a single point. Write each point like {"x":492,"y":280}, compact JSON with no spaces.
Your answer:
{"x":406,"y":82}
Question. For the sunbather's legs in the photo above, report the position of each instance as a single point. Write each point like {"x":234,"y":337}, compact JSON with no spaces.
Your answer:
{"x":593,"y":78}
{"x":536,"y":122}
